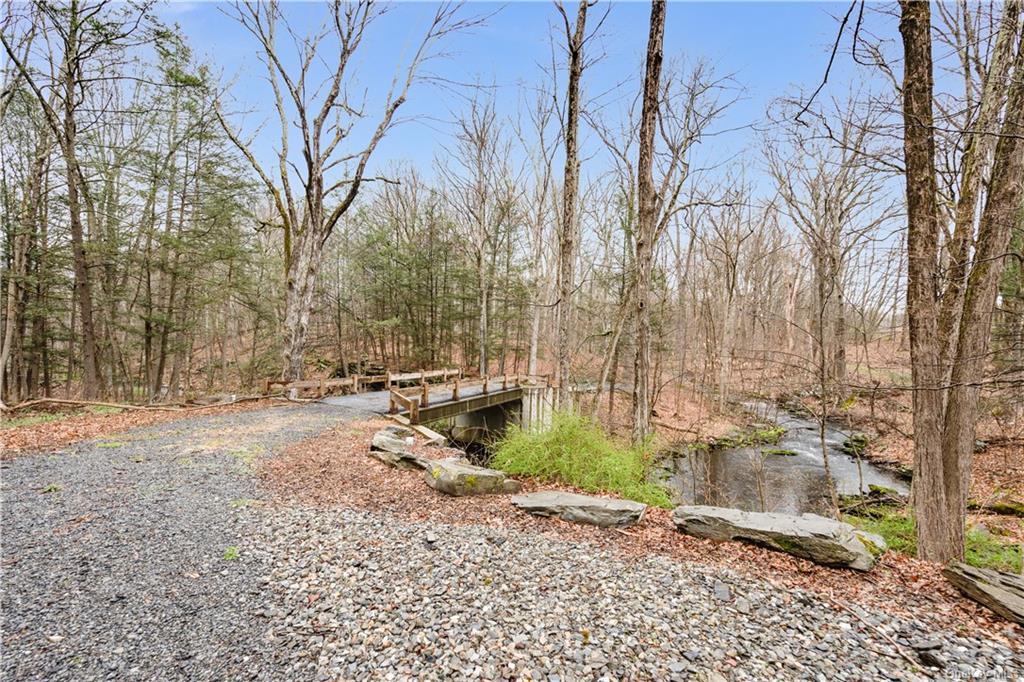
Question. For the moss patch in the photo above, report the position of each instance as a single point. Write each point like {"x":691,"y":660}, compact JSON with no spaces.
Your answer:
{"x":855,"y":445}
{"x":743,"y":439}
{"x":896,"y":526}
{"x":781,"y":452}
{"x":32,"y":419}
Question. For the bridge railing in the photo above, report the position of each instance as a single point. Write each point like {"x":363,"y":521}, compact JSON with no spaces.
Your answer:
{"x":360,"y":382}
{"x":413,"y":399}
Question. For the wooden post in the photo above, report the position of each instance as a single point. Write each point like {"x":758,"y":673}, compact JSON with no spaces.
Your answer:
{"x":486,"y":381}
{"x":320,"y":390}
{"x":455,"y":390}
{"x":504,"y":382}
{"x":425,"y":392}
{"x":392,"y":406}
{"x":414,"y":411}
{"x":355,"y":383}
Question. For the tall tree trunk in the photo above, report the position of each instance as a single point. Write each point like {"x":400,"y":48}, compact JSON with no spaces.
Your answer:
{"x":16,"y":278}
{"x":83,"y":288}
{"x":567,"y":238}
{"x":936,"y":530}
{"x":307,"y":253}
{"x":980,"y":143}
{"x":1002,"y":208}
{"x":646,"y":224}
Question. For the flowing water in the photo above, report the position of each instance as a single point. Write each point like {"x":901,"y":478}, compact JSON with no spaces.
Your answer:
{"x":746,"y":478}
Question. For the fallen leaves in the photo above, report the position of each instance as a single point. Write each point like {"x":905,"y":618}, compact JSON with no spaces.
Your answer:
{"x":334,"y":469}
{"x":74,"y":427}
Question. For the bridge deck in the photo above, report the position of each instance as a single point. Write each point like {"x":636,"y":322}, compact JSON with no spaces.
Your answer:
{"x":440,"y":403}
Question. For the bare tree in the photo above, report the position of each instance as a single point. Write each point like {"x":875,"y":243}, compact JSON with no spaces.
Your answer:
{"x":324,"y":118}
{"x":947,"y":372}
{"x":576,"y":38}
{"x":484,"y":196}
{"x":646,"y":224}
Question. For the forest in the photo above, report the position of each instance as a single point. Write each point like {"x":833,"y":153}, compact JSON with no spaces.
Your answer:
{"x":166,"y":238}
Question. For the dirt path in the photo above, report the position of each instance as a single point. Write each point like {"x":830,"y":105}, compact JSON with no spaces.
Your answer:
{"x":114,"y":551}
{"x":149,"y":555}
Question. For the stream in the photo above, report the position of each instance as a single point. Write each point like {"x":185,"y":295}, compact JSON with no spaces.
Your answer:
{"x":745,"y":478}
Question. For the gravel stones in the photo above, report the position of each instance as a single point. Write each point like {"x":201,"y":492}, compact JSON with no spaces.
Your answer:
{"x":122,"y":575}
{"x":455,"y":476}
{"x":809,"y":536}
{"x":389,"y":605}
{"x":596,"y":511}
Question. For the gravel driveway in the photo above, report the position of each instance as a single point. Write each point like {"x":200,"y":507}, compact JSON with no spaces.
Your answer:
{"x":148,"y":556}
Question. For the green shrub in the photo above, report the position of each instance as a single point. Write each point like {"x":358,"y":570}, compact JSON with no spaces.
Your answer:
{"x":981,"y":548}
{"x":576,"y":451}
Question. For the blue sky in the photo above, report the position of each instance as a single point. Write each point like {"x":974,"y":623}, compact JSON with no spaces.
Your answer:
{"x":770,"y":48}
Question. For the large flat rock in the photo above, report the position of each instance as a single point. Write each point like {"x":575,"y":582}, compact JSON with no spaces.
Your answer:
{"x":809,"y":536}
{"x":401,"y":460}
{"x":455,"y":476}
{"x":999,"y":591}
{"x":393,"y":439}
{"x":596,"y":511}
{"x":390,"y":445}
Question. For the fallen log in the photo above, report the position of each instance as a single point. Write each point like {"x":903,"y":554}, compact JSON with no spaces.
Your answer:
{"x":175,"y":407}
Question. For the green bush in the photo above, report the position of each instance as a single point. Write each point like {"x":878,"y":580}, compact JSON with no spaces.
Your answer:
{"x":577,"y":452}
{"x":981,"y":548}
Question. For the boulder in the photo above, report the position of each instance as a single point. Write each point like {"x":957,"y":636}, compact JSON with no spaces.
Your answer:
{"x":401,"y":460}
{"x":455,"y":476}
{"x":391,"y":439}
{"x":1001,"y":592}
{"x":390,"y":445}
{"x":809,"y":536}
{"x":596,"y":511}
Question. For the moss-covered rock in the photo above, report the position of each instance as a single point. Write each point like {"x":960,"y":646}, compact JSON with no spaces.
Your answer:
{"x":855,"y":445}
{"x":457,"y":477}
{"x":779,"y":452}
{"x":1007,"y":507}
{"x":809,"y":536}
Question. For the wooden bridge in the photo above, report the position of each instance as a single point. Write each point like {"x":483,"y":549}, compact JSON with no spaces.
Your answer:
{"x":429,"y":395}
{"x":427,"y":402}
{"x":358,"y":383}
